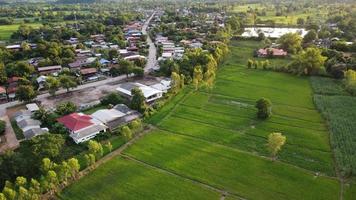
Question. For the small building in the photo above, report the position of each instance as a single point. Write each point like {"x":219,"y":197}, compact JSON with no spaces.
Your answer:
{"x":33,"y":132}
{"x":27,"y":124}
{"x":273,"y":52}
{"x":82,"y":127}
{"x":49,"y":69}
{"x":116,"y":116}
{"x":22,"y":114}
{"x":32,"y":107}
{"x":149,"y":93}
{"x":163,"y":86}
{"x":88,"y":72}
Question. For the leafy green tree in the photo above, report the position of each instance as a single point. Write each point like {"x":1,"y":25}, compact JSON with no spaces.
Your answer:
{"x":197,"y":77}
{"x":52,"y":85}
{"x":95,"y":148}
{"x":2,"y":127}
{"x":275,"y":143}
{"x":310,"y":36}
{"x":26,"y":93}
{"x":264,"y":107}
{"x":23,"y":69}
{"x":47,"y":146}
{"x":74,"y":167}
{"x":291,"y":42}
{"x":20,"y":181}
{"x":126,"y":133}
{"x":9,"y":193}
{"x":52,"y":180}
{"x":35,"y":188}
{"x":89,"y":159}
{"x":138,"y":71}
{"x":109,"y":146}
{"x":113,"y":98}
{"x":138,"y":100}
{"x":136,"y":125}
{"x":3,"y":76}
{"x":209,"y":78}
{"x":308,"y":62}
{"x":23,"y":193}
{"x":66,"y":108}
{"x":249,"y":63}
{"x":182,"y":80}
{"x":2,"y":196}
{"x":67,"y":82}
{"x":175,"y":83}
{"x":126,"y":67}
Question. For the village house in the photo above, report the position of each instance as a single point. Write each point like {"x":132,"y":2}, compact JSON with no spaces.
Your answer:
{"x":82,"y":127}
{"x":12,"y":87}
{"x":271,"y":52}
{"x":116,"y":116}
{"x":49,"y":69}
{"x":30,"y":127}
{"x":150,"y":94}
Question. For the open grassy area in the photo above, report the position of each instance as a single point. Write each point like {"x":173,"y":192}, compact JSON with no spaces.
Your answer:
{"x":7,"y":30}
{"x":316,"y":13}
{"x":215,"y":138}
{"x":125,"y":179}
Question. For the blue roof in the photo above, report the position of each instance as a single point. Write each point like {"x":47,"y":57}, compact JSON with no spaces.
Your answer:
{"x":104,"y":61}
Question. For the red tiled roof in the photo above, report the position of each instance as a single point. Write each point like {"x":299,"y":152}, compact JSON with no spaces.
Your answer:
{"x":275,"y":52}
{"x":2,"y":90}
{"x":13,"y":79}
{"x":75,"y":121}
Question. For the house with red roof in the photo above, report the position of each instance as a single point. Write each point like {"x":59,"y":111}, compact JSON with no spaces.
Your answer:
{"x":271,"y":52}
{"x":82,"y":127}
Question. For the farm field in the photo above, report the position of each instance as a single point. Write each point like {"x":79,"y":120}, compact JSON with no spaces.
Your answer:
{"x":7,"y":30}
{"x":335,"y":104}
{"x":126,"y":179}
{"x":286,"y":19}
{"x":214,"y":138}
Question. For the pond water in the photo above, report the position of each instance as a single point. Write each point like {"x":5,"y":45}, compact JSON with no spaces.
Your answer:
{"x":272,"y":32}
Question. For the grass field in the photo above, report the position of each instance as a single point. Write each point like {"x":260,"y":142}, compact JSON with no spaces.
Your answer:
{"x":317,"y":13}
{"x":214,"y":138}
{"x":7,"y":30}
{"x":125,"y":179}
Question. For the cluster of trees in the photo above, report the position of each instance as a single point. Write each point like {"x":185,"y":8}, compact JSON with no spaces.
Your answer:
{"x":133,"y":128}
{"x":128,"y":67}
{"x":308,"y":62}
{"x":52,"y":176}
{"x":256,"y":64}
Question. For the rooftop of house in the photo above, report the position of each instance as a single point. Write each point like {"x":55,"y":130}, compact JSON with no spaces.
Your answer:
{"x":273,"y":51}
{"x":76,"y":121}
{"x":147,"y":91}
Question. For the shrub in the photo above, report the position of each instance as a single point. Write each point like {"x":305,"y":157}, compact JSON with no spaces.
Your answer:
{"x":264,"y":107}
{"x":2,"y":127}
{"x":112,"y":98}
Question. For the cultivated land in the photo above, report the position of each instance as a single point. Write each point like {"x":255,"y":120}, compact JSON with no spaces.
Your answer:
{"x":7,"y":30}
{"x":213,"y":138}
{"x":290,"y":18}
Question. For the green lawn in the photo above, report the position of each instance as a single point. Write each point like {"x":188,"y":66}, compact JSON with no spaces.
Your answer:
{"x":125,"y":179}
{"x":7,"y":30}
{"x":215,"y":138}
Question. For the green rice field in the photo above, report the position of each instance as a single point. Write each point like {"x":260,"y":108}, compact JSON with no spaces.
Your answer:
{"x":210,"y":145}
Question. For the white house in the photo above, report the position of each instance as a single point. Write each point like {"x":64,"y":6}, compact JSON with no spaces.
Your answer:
{"x":149,"y":93}
{"x":82,"y":127}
